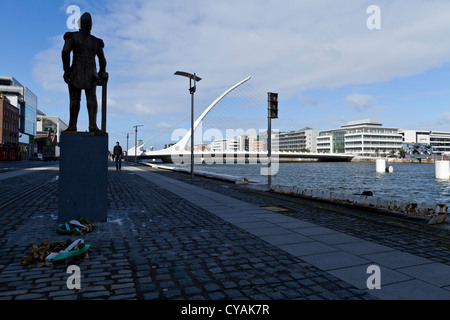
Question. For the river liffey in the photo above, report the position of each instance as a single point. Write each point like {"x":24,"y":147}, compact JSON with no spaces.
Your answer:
{"x":409,"y":181}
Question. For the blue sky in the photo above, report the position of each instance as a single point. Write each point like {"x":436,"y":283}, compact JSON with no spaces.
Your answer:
{"x":321,"y":58}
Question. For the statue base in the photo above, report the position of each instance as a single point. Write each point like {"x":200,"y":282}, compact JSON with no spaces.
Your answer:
{"x":83,"y":176}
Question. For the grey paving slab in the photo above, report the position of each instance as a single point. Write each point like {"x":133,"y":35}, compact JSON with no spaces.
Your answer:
{"x":335,"y":238}
{"x":363,"y":247}
{"x":229,"y":214}
{"x":241,"y":219}
{"x":222,"y":215}
{"x":314,"y":231}
{"x":396,"y":259}
{"x":307,"y":248}
{"x":224,"y":199}
{"x":253,"y":211}
{"x":211,"y":205}
{"x":434,"y":273}
{"x":199,"y":195}
{"x":334,"y":260}
{"x":223,"y":210}
{"x":255,"y":225}
{"x":194,"y":197}
{"x":287,"y":238}
{"x":411,"y":290}
{"x":276,"y":218}
{"x":17,"y":173}
{"x":268,"y":231}
{"x":357,"y":275}
{"x":298,"y":224}
{"x":243,"y":205}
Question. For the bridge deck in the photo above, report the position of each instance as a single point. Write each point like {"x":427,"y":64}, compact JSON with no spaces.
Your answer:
{"x":247,"y":156}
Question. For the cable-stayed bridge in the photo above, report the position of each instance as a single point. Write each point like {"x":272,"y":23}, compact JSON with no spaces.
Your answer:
{"x":180,"y":152}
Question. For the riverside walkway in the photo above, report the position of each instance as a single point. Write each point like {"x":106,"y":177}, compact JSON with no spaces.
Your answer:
{"x":170,"y":237}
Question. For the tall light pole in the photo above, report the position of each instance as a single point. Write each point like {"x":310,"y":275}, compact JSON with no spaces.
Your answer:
{"x":128,"y":134}
{"x":135,"y":142}
{"x":192,"y":78}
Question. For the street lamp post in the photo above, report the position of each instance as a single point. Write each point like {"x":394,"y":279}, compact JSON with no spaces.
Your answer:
{"x":192,"y":78}
{"x":135,"y":142}
{"x":127,"y":145}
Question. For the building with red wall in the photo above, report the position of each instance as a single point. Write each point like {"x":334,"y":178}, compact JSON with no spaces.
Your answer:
{"x":9,"y":130}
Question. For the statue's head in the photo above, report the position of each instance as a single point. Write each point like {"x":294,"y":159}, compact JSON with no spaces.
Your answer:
{"x":85,"y":22}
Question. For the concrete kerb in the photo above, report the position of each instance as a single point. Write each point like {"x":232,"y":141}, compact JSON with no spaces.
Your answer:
{"x":218,"y":176}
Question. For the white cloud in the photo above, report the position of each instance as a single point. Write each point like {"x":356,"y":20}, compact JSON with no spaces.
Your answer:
{"x":288,"y":46}
{"x":308,"y":101}
{"x":444,"y":121}
{"x":360,"y":102}
{"x":163,"y":125}
{"x":48,"y":70}
{"x":439,"y":123}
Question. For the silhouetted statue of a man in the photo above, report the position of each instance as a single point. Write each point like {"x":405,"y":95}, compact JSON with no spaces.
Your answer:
{"x":82,"y":74}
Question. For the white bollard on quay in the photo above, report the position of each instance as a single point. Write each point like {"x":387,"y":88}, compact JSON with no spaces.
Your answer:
{"x":442,"y":169}
{"x":381,"y":165}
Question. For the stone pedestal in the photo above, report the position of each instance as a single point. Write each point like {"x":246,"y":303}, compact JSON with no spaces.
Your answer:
{"x":83,"y":176}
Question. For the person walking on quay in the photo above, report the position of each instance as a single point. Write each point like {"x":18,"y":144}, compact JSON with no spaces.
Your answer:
{"x":117,"y":155}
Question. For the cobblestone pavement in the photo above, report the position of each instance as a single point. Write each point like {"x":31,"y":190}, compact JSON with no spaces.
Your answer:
{"x":158,"y":245}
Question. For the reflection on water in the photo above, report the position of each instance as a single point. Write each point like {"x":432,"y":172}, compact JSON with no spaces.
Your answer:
{"x":415,"y":182}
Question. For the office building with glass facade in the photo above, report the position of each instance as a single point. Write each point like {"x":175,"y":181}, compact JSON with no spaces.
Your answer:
{"x":363,"y":137}
{"x":438,"y":140}
{"x":331,"y":141}
{"x":300,"y":140}
{"x":27,"y":102}
{"x":51,"y":124}
{"x":224,"y":145}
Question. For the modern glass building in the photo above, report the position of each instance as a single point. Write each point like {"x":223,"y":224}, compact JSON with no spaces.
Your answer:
{"x":250,"y":143}
{"x":439,"y":140}
{"x":367,"y":137}
{"x":225,"y":145}
{"x":363,"y":137}
{"x":27,"y":102}
{"x":51,"y":124}
{"x":298,"y":140}
{"x":331,"y":141}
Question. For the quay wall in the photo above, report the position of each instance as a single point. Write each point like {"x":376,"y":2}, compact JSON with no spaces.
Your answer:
{"x":393,"y":160}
